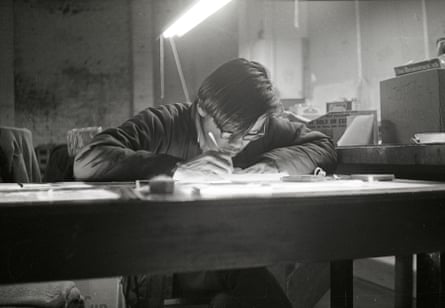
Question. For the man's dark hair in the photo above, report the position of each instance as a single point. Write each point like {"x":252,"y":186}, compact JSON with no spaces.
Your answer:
{"x":237,"y":93}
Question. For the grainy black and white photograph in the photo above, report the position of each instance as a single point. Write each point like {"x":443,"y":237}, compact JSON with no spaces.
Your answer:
{"x":222,"y":153}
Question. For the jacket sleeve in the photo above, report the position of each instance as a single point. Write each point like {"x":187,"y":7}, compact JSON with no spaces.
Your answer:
{"x":128,"y":152}
{"x":295,"y":149}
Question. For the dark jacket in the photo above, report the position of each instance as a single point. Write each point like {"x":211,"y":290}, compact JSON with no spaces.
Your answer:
{"x":156,"y":139}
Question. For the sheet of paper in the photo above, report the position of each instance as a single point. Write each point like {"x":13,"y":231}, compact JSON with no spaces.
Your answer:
{"x":229,"y":190}
{"x":359,"y":131}
{"x":261,"y":190}
{"x":235,"y":178}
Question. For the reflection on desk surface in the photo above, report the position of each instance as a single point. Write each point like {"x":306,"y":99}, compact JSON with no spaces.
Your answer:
{"x":10,"y":193}
{"x":61,"y":185}
{"x":58,"y":195}
{"x":62,"y":191}
{"x":293,"y":188}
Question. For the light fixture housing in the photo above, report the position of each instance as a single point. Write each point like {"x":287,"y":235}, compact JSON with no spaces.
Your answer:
{"x":195,"y":15}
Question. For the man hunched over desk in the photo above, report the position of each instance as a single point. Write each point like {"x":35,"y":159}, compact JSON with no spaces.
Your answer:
{"x":232,"y":124}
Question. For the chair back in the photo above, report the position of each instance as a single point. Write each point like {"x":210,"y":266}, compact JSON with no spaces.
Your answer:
{"x":18,"y":160}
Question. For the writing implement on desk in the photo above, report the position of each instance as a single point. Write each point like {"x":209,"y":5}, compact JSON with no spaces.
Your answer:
{"x":212,"y":137}
{"x":306,"y":178}
{"x":318,"y":178}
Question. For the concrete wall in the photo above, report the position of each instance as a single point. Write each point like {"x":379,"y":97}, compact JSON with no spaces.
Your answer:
{"x":331,"y":52}
{"x":142,"y":52}
{"x":6,"y":63}
{"x":267,"y":34}
{"x":355,"y":45}
{"x":200,"y":50}
{"x":392,"y":35}
{"x":71,"y":65}
{"x":94,"y":62}
{"x":435,"y":23}
{"x":323,"y":51}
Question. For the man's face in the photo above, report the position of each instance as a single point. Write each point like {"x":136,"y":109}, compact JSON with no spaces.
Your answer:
{"x":226,"y":141}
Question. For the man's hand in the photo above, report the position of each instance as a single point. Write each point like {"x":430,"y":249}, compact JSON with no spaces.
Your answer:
{"x":208,"y":164}
{"x":262,"y":167}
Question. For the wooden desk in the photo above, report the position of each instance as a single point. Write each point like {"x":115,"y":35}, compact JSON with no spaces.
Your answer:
{"x":421,"y":162}
{"x":425,"y":162}
{"x":52,"y":240}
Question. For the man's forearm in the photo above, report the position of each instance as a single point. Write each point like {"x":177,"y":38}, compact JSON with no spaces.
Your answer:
{"x":118,"y":164}
{"x":303,"y":159}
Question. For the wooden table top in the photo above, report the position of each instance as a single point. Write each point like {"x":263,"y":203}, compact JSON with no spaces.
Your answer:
{"x":415,"y":154}
{"x":416,"y":161}
{"x":51,"y":240}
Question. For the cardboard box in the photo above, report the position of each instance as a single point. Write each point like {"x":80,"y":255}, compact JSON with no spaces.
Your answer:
{"x":416,"y":67}
{"x":334,"y":124}
{"x":412,"y":103}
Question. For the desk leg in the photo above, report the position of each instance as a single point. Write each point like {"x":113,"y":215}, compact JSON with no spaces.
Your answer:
{"x":341,"y":284}
{"x":429,"y":280}
{"x":156,"y":288}
{"x":442,"y":279}
{"x":404,"y":282}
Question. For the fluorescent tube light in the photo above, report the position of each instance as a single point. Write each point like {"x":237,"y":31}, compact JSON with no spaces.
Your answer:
{"x":200,"y":11}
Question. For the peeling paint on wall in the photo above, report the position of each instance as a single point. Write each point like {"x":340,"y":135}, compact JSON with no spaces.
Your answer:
{"x":6,"y":63}
{"x":71,"y":66}
{"x":77,"y":98}
{"x":67,"y":7}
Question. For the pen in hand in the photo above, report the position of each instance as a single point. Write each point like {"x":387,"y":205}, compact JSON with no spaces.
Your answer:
{"x":212,"y":137}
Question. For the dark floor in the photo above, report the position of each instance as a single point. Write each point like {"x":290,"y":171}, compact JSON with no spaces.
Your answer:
{"x":366,"y":295}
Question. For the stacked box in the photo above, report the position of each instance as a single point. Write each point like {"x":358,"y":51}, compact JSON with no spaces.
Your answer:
{"x":334,"y":124}
{"x":412,"y":103}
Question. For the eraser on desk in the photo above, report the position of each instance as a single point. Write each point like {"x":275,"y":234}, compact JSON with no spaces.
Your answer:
{"x":161,"y":184}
